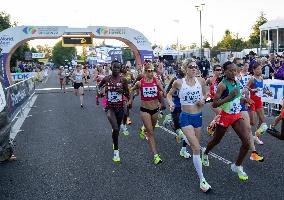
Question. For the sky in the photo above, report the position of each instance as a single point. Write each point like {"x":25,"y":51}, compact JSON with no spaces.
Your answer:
{"x":161,"y":21}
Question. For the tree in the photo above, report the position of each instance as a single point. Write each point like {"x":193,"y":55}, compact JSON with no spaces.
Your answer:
{"x":126,"y":54}
{"x":193,"y":46}
{"x":254,"y":37}
{"x":47,"y":50}
{"x":60,"y":54}
{"x":231,"y":42}
{"x":5,"y":21}
{"x":206,"y":44}
{"x":19,"y":54}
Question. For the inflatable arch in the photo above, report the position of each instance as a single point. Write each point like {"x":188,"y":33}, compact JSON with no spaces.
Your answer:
{"x":12,"y":38}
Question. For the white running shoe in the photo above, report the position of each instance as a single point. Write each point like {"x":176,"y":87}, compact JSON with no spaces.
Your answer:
{"x":240,"y":171}
{"x":116,"y":157}
{"x":204,"y":186}
{"x":184,"y":154}
{"x":257,"y":140}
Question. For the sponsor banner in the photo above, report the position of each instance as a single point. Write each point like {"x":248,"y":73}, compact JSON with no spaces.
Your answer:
{"x":110,"y":31}
{"x":45,"y":31}
{"x":2,"y":98}
{"x":38,"y":55}
{"x":276,"y":87}
{"x":43,"y":60}
{"x":22,"y":76}
{"x":6,"y":40}
{"x":17,"y":94}
{"x":140,"y":40}
{"x":146,"y":55}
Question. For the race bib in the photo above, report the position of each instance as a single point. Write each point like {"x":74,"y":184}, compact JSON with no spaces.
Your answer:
{"x":150,"y":91}
{"x":78,"y":77}
{"x":114,"y":97}
{"x":192,"y":97}
{"x":259,"y":93}
{"x":235,"y":106}
{"x":2,"y":98}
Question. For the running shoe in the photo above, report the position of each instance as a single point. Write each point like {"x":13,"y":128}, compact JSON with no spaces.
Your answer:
{"x":204,"y":186}
{"x":204,"y":159}
{"x":142,"y":133}
{"x":261,"y":130}
{"x":257,"y":140}
{"x":256,"y":157}
{"x":125,"y":132}
{"x":179,"y":135}
{"x":157,"y":159}
{"x":116,"y":158}
{"x":157,"y":125}
{"x":211,"y":128}
{"x":239,"y":170}
{"x":272,"y":129}
{"x":184,"y":154}
{"x":167,"y":120}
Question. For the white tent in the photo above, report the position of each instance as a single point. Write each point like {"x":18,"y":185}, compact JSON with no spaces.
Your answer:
{"x":157,"y":52}
{"x":169,"y":51}
{"x":273,"y":24}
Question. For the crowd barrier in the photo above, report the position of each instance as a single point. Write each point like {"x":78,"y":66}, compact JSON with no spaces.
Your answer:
{"x":17,"y":95}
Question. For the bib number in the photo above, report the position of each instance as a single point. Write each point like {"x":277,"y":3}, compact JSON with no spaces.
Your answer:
{"x":235,"y":106}
{"x":114,"y":97}
{"x":150,"y":91}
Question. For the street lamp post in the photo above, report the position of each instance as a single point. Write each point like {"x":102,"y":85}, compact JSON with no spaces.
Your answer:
{"x":177,"y":21}
{"x":212,"y":41}
{"x":200,"y":8}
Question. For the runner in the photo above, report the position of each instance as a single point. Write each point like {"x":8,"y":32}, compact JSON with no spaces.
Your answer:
{"x":213,"y":82}
{"x":149,"y":87}
{"x":228,"y":96}
{"x":272,"y":130}
{"x":87,"y":76}
{"x":176,"y":113}
{"x":98,"y":77}
{"x":125,"y":72}
{"x":191,"y":93}
{"x":115,"y":88}
{"x":255,"y":86}
{"x":61,"y":76}
{"x":77,"y":78}
{"x":243,"y":77}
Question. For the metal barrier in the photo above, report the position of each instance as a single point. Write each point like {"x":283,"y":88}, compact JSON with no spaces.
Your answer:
{"x":18,"y":98}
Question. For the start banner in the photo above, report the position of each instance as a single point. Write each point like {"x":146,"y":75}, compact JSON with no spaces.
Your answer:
{"x":22,"y":76}
{"x":276,"y":87}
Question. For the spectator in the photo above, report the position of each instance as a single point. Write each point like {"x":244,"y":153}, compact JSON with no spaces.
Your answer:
{"x":278,"y":70}
{"x":267,"y":70}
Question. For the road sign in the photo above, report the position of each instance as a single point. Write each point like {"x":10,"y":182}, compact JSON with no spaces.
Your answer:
{"x":72,"y":41}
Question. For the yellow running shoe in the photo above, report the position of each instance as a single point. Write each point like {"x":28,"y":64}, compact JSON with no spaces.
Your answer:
{"x":142,"y":133}
{"x":239,"y":170}
{"x":157,"y":159}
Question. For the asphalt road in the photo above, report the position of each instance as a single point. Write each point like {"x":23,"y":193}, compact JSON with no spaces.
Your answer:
{"x":65,"y":152}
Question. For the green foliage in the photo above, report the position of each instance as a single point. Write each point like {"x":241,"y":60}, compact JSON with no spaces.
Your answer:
{"x":126,"y":54}
{"x":231,"y":42}
{"x":60,"y":54}
{"x":206,"y":44}
{"x":47,"y":50}
{"x":19,"y":54}
{"x":193,"y":46}
{"x":5,"y":21}
{"x":254,"y":36}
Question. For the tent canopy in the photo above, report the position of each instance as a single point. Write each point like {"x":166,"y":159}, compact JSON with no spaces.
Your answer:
{"x":273,"y":24}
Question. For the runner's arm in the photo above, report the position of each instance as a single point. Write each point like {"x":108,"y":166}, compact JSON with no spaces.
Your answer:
{"x":173,"y":89}
{"x":217,"y":101}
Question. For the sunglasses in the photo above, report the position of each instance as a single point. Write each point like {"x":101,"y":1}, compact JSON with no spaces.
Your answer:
{"x":218,"y":70}
{"x":192,"y":66}
{"x":149,"y":70}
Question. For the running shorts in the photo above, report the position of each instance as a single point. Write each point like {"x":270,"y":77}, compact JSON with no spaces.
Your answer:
{"x":77,"y":85}
{"x":257,"y":103}
{"x":227,"y":120}
{"x":187,"y":119}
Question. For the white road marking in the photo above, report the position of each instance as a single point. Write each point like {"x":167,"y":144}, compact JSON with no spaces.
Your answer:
{"x":203,"y":148}
{"x":18,"y":124}
{"x":57,"y":88}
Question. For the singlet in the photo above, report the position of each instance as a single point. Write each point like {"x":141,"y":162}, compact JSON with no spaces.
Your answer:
{"x":79,"y":76}
{"x":100,"y":77}
{"x":259,"y":85}
{"x":113,"y":98}
{"x":234,"y":105}
{"x":149,"y":91}
{"x":213,"y":87}
{"x":244,"y":79}
{"x":189,"y":95}
{"x":61,"y":74}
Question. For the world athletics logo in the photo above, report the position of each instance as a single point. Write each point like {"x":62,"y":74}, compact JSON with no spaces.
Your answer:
{"x":29,"y":30}
{"x":102,"y":30}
